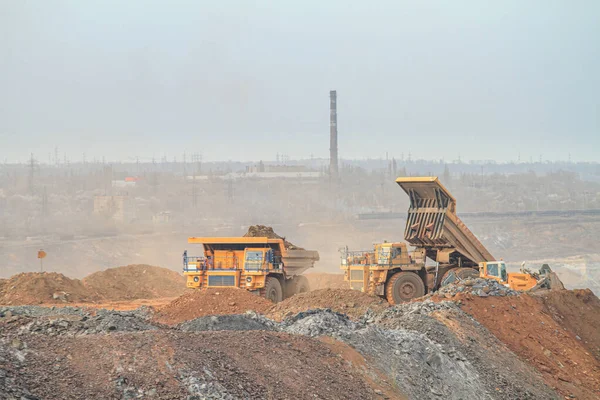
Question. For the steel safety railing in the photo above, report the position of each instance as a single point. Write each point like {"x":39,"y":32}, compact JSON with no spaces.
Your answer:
{"x":193,"y":263}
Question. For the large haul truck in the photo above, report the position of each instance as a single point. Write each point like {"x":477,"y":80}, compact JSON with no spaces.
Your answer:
{"x":444,"y":250}
{"x":259,"y":264}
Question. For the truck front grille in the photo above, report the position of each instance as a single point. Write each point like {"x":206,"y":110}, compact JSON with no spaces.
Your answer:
{"x":221,"y":280}
{"x":356,"y":275}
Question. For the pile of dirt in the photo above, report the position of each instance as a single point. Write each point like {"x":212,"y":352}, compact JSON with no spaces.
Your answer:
{"x":350,"y":302}
{"x":268,"y":232}
{"x":426,"y":350}
{"x":44,"y":287}
{"x":136,"y":282}
{"x":318,"y":281}
{"x":169,"y":364}
{"x":579,"y":312}
{"x":544,"y":335}
{"x":198,"y":303}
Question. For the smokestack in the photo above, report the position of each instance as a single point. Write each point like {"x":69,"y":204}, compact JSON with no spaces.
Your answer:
{"x":333,"y":139}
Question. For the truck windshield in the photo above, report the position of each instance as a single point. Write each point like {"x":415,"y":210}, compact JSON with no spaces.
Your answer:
{"x":384,"y":255}
{"x":492,"y":269}
{"x":254,"y":260}
{"x":503,"y":275}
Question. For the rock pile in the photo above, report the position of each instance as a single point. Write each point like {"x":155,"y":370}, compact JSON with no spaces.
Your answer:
{"x":350,"y":302}
{"x":114,"y":284}
{"x":199,"y":303}
{"x":84,"y":323}
{"x":267,"y":231}
{"x":135,"y":282}
{"x":409,"y":344}
{"x":44,"y":287}
{"x":477,"y":287}
{"x":250,"y":321}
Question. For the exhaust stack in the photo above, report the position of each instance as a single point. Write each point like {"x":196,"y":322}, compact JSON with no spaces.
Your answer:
{"x":333,"y":139}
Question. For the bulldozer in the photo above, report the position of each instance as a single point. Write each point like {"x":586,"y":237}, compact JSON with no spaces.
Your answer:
{"x":262,"y":265}
{"x":445,"y":250}
{"x":526,"y":279}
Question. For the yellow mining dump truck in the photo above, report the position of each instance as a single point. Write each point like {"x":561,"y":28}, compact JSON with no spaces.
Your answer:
{"x":444,"y":250}
{"x":258,"y":264}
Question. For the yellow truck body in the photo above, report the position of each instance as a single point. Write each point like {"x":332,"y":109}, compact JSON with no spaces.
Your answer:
{"x":258,"y":264}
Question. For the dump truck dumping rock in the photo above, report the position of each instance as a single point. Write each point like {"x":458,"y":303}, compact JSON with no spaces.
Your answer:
{"x":268,"y":232}
{"x":196,"y":303}
{"x":136,"y":282}
{"x":350,"y":302}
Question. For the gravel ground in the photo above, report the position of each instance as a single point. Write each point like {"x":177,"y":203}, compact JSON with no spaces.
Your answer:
{"x":427,"y":350}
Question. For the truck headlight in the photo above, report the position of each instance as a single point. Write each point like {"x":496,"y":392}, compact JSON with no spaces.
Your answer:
{"x":248,"y":279}
{"x":196,"y":279}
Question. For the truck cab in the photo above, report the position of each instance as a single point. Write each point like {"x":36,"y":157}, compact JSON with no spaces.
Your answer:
{"x":514,"y":280}
{"x":368,"y":271}
{"x":494,"y":270}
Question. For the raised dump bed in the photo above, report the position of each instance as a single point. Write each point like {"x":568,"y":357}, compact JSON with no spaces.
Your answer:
{"x":432,"y":224}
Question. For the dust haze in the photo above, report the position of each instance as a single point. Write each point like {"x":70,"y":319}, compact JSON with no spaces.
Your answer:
{"x":128,"y":127}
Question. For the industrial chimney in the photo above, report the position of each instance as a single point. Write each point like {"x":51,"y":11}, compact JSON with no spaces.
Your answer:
{"x":333,"y":139}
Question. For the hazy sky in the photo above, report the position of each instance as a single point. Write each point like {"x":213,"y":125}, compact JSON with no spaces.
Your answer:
{"x":247,"y":79}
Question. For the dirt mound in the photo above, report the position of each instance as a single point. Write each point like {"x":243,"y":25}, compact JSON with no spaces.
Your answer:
{"x":136,"y":282}
{"x":177,"y":365}
{"x":199,"y":303}
{"x":44,"y":287}
{"x":350,"y":302}
{"x":579,"y":312}
{"x":267,"y":231}
{"x":545,"y":338}
{"x":326,"y":281}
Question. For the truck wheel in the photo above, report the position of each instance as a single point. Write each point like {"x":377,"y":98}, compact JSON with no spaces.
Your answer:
{"x":273,"y":289}
{"x":301,"y":284}
{"x":404,"y":286}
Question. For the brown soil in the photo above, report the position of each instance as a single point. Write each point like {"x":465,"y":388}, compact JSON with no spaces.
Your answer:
{"x":267,"y":231}
{"x":199,"y":303}
{"x":545,"y":338}
{"x":579,"y":312}
{"x":350,"y":302}
{"x":326,"y":281}
{"x":136,"y":282}
{"x":44,"y":287}
{"x":253,"y":365}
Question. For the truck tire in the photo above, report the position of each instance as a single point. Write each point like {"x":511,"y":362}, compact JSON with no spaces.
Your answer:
{"x":297,"y":284}
{"x":404,"y":286}
{"x":273,"y":290}
{"x":301,"y":284}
